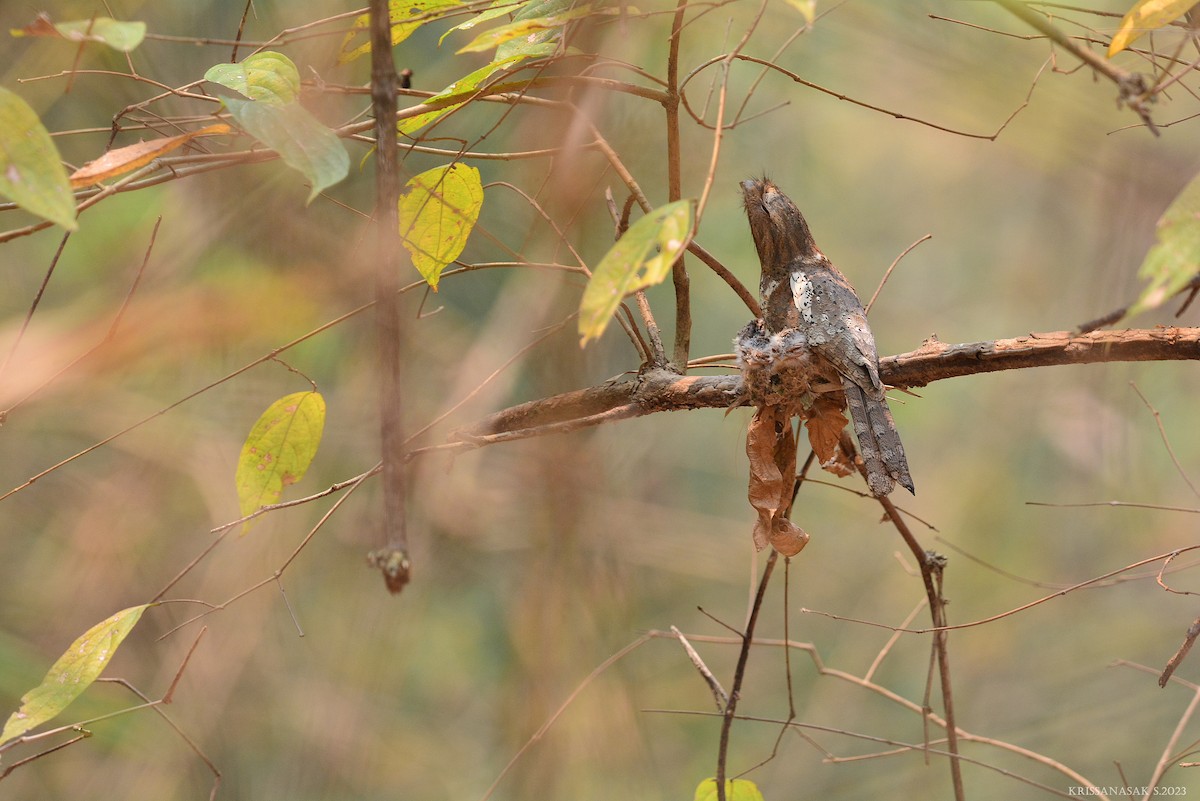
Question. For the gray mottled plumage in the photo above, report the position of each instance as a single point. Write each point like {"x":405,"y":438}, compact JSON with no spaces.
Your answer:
{"x":803,"y":291}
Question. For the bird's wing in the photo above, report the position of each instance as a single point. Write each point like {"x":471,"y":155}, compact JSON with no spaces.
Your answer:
{"x":836,"y":324}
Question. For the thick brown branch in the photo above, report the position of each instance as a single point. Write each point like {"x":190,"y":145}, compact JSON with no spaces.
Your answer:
{"x":935,"y":360}
{"x":663,"y":391}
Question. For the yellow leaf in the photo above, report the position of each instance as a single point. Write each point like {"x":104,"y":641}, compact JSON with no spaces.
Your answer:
{"x":642,"y":257}
{"x":438,"y":210}
{"x":807,"y":8}
{"x":735,"y":790}
{"x":1146,"y":15}
{"x":75,"y":671}
{"x":31,"y":173}
{"x":279,"y":449}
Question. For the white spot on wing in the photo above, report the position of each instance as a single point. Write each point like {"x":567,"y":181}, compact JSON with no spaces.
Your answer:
{"x":802,"y":295}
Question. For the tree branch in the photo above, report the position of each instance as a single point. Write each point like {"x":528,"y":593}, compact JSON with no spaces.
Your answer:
{"x":679,"y":274}
{"x":392,"y":557}
{"x":1131,"y":87}
{"x":662,"y":391}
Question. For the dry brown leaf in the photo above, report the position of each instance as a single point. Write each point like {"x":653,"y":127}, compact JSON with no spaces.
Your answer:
{"x":41,"y":26}
{"x":788,"y":538}
{"x":765,"y":478}
{"x":771,"y":449}
{"x":825,"y":424}
{"x":128,"y":158}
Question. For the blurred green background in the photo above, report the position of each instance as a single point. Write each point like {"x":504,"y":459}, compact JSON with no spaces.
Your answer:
{"x":536,"y":561}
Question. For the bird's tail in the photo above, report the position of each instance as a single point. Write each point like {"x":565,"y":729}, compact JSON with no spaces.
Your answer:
{"x":882,"y":452}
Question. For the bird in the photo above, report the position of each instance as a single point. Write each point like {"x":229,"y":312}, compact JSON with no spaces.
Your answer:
{"x":803,"y":292}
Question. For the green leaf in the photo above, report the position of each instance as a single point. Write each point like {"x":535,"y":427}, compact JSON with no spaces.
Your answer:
{"x":438,"y":209}
{"x":298,"y":137}
{"x":405,"y":15}
{"x":735,"y":790}
{"x":499,"y":8}
{"x":410,"y":125}
{"x":1145,"y":16}
{"x":640,"y":258}
{"x":533,"y":31}
{"x":31,"y":173}
{"x":279,"y":449}
{"x":1171,"y":263}
{"x":469,"y":83}
{"x":267,"y":77}
{"x":123,"y":36}
{"x":73,"y":673}
{"x":464,"y":87}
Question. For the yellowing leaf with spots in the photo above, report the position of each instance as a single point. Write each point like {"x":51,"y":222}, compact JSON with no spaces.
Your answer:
{"x":438,"y":210}
{"x":279,"y":449}
{"x":642,"y":257}
{"x":73,"y":673}
{"x":406,"y":16}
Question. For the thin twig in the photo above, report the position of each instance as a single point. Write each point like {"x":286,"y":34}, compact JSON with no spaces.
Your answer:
{"x":1166,"y":759}
{"x":1162,"y":432}
{"x":888,"y":272}
{"x":739,"y":674}
{"x":1175,"y":661}
{"x":1018,"y":609}
{"x":37,"y":298}
{"x":679,"y":274}
{"x":545,"y":727}
{"x":1131,"y":88}
{"x":108,"y":336}
{"x":714,"y":685}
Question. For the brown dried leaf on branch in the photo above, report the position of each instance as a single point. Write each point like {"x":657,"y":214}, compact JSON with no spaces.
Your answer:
{"x":825,"y":423}
{"x":771,"y":448}
{"x":129,"y":158}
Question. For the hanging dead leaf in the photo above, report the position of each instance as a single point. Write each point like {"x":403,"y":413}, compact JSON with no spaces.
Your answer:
{"x":129,"y":158}
{"x":765,"y":478}
{"x":788,"y":538}
{"x":771,"y":449}
{"x":825,"y":424}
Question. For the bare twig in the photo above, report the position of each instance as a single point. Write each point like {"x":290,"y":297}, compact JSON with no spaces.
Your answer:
{"x":37,"y":297}
{"x":1167,"y":758}
{"x":739,"y":674}
{"x":714,"y":685}
{"x":847,"y":98}
{"x":1131,"y":87}
{"x":1019,"y":609}
{"x":1175,"y":661}
{"x":679,"y":274}
{"x":545,"y":727}
{"x":1162,"y":432}
{"x":888,"y":272}
{"x":1116,"y":315}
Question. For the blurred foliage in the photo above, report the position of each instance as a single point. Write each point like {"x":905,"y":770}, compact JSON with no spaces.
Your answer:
{"x":536,"y":561}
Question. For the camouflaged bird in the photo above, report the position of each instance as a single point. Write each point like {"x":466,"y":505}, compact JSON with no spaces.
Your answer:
{"x":807,"y":300}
